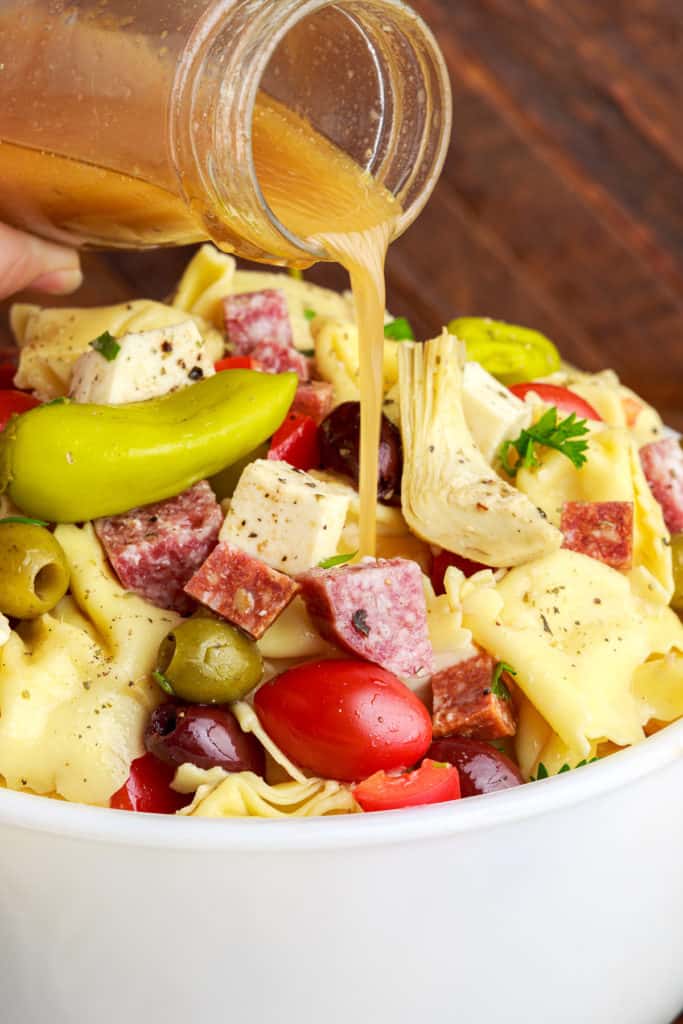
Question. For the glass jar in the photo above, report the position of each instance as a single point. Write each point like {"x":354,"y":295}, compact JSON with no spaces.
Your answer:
{"x":130,"y":123}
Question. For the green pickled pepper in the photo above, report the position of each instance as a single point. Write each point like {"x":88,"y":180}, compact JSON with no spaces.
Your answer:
{"x":69,"y":462}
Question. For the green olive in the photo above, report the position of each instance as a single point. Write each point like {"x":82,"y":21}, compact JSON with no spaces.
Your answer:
{"x":209,"y":662}
{"x":34,"y":574}
{"x":677,"y":552}
{"x":512,"y":354}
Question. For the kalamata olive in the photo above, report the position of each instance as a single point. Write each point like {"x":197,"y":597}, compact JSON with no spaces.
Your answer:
{"x":340,"y":450}
{"x":209,"y":737}
{"x":482,"y":768}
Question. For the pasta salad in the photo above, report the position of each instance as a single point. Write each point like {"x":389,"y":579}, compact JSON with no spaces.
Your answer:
{"x":187,"y":624}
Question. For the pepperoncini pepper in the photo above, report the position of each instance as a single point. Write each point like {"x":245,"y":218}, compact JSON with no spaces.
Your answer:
{"x":67,"y":462}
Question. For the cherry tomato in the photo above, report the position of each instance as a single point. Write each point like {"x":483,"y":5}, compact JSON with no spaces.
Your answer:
{"x":147,"y":788}
{"x":344,"y":719}
{"x":444,"y":560}
{"x":7,"y":374}
{"x":431,"y":783}
{"x":237,"y":363}
{"x":482,"y":768}
{"x":12,"y":402}
{"x":296,"y":442}
{"x":564,"y":400}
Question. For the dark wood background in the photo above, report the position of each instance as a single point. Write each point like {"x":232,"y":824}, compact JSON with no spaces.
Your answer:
{"x":561,"y":205}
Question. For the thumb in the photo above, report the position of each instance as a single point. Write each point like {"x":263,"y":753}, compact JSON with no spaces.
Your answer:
{"x":27,"y":261}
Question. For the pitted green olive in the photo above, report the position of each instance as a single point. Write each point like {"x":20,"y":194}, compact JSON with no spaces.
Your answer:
{"x":209,"y":662}
{"x":677,"y":552}
{"x":34,"y":574}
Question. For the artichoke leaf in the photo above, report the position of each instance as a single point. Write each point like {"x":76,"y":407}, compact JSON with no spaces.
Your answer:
{"x":450,"y":495}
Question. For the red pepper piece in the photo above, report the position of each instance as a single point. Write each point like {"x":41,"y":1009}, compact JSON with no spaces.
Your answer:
{"x":12,"y":402}
{"x":237,"y":363}
{"x":148,"y":788}
{"x":296,"y":442}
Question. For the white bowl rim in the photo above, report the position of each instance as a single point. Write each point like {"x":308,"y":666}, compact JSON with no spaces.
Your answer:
{"x":100,"y":824}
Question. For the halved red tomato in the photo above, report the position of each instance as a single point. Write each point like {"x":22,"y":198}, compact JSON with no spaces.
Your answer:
{"x":564,"y":400}
{"x":344,"y":719}
{"x":148,"y":788}
{"x":431,"y":783}
{"x":12,"y":402}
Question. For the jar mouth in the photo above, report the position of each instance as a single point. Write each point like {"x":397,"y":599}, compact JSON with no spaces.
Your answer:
{"x":378,"y":55}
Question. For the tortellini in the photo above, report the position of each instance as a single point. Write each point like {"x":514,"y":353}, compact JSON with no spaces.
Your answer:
{"x":51,"y":340}
{"x":611,"y":473}
{"x":75,"y":692}
{"x":576,"y":633}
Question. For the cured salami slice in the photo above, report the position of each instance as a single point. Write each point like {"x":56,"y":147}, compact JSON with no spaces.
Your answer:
{"x":375,"y":610}
{"x":662,"y":463}
{"x":242,"y":589}
{"x":601,"y":530}
{"x":465,"y":704}
{"x":314,"y":398}
{"x":154,"y":550}
{"x":277,"y":358}
{"x":255,"y":317}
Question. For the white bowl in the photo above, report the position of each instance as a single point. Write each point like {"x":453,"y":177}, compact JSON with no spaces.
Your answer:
{"x":556,"y":902}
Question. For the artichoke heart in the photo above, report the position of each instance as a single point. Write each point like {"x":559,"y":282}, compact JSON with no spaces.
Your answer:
{"x":450,"y":495}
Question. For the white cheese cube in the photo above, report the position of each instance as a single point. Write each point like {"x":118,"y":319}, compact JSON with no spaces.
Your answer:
{"x":284,"y":517}
{"x":492,"y":412}
{"x":148,"y":364}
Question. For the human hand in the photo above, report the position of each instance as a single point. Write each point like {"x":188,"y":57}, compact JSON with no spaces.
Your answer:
{"x":27,"y":261}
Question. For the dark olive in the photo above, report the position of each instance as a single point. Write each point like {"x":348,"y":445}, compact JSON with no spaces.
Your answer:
{"x":482,"y":768}
{"x":340,"y":450}
{"x":209,"y":737}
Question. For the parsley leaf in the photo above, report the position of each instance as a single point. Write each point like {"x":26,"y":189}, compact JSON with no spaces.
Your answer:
{"x":24,"y":520}
{"x":399,"y":330}
{"x":541,"y":774}
{"x":165,"y":684}
{"x":332,"y":563}
{"x":107,"y":346}
{"x":498,"y":687}
{"x":58,"y":401}
{"x":565,"y":436}
{"x":543,"y":771}
{"x":310,"y":314}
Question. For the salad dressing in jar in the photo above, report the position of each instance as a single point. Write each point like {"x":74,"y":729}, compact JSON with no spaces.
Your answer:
{"x":286,"y":131}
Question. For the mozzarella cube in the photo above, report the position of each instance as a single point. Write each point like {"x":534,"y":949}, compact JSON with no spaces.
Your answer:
{"x":492,"y":412}
{"x":148,"y":364}
{"x":284,"y":517}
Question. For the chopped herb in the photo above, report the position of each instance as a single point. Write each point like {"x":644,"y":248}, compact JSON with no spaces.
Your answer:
{"x":310,"y":314}
{"x":165,"y":684}
{"x":360,"y":622}
{"x":58,"y":401}
{"x":332,"y":563}
{"x":23,"y":519}
{"x":565,"y":436}
{"x":399,"y":330}
{"x":107,"y":346}
{"x":308,"y":352}
{"x":296,"y":273}
{"x":498,"y":687}
{"x":543,"y":771}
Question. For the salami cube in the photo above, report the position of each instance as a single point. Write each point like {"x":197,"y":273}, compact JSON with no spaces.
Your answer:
{"x":276,"y":358}
{"x":314,"y":398}
{"x":242,"y":589}
{"x":255,"y":317}
{"x":465,"y":703}
{"x":662,"y":463}
{"x":375,"y":610}
{"x":601,"y":530}
{"x":154,"y":550}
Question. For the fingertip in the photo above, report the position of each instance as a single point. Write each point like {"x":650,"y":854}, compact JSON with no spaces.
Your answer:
{"x":59,"y":282}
